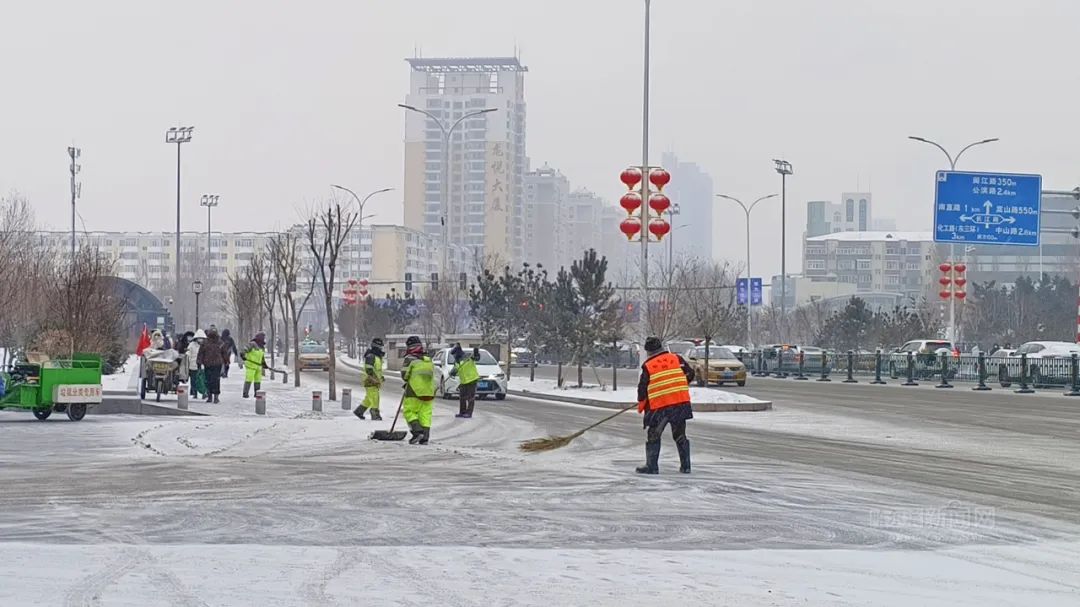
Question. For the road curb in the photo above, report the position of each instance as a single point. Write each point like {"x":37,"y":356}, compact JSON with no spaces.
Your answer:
{"x":699,"y":407}
{"x":134,"y":406}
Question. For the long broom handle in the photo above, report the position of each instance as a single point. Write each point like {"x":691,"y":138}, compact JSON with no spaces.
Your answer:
{"x":608,"y":418}
{"x":401,"y":404}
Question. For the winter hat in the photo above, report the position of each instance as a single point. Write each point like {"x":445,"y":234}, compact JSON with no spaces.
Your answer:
{"x":457,"y":352}
{"x":200,"y":334}
{"x":260,"y":338}
{"x":377,"y":343}
{"x":653,"y":345}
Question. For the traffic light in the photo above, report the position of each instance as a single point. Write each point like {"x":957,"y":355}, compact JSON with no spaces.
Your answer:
{"x":463,"y":281}
{"x":408,"y":282}
{"x":434,"y":280}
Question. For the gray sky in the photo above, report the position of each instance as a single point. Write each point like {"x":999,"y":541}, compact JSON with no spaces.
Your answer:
{"x":288,"y":97}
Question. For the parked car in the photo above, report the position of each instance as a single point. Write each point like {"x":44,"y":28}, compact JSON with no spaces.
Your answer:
{"x":522,"y":357}
{"x":1049,"y":363}
{"x":925,"y":353}
{"x":492,"y":378}
{"x":724,"y":367}
{"x":314,"y":355}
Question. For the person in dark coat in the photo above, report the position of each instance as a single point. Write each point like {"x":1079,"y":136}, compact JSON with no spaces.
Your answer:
{"x":664,"y":398}
{"x":228,"y":351}
{"x":211,"y":359}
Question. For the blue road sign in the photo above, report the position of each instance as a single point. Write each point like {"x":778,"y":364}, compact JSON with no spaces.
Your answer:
{"x":755,"y":291}
{"x":987,"y":208}
{"x":742,"y":291}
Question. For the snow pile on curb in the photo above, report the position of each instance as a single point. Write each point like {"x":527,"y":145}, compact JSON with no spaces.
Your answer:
{"x":627,"y":394}
{"x":125,"y":379}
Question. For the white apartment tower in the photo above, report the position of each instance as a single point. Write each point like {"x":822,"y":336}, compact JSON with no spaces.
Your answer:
{"x":487,"y":152}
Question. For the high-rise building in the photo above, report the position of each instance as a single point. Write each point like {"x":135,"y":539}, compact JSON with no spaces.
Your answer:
{"x":546,"y":194}
{"x":691,"y":189}
{"x":853,"y":214}
{"x":487,"y":152}
{"x":900,"y":264}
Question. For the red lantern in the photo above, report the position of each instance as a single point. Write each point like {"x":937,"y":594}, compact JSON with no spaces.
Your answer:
{"x":363,"y":292}
{"x":630,"y":227}
{"x":630,"y":201}
{"x":630,"y":177}
{"x":960,"y":268}
{"x":944,"y":280}
{"x":960,"y":282}
{"x":348,"y":292}
{"x":944,"y":294}
{"x":944,"y":267}
{"x":659,"y":178}
{"x":659,"y":228}
{"x":659,"y":203}
{"x":352,"y":283}
{"x":363,"y":282}
{"x":960,"y":294}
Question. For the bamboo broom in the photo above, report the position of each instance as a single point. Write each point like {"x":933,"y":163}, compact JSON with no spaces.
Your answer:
{"x":551,"y":443}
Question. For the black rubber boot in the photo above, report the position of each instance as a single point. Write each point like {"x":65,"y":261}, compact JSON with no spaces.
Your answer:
{"x":247,"y":389}
{"x":684,"y":456}
{"x":375,"y":415}
{"x":417,"y":433}
{"x":425,"y":436}
{"x":652,"y":459}
{"x":359,"y":412}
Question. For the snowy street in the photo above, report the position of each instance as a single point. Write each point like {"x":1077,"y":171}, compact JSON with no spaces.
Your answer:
{"x":802,"y":505}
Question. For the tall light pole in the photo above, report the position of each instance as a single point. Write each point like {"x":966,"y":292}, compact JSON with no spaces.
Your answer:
{"x":671,"y":213}
{"x":76,"y":190}
{"x":178,"y":135}
{"x":209,"y":201}
{"x":952,"y":248}
{"x":784,"y":168}
{"x":746,"y":210}
{"x":645,"y":167}
{"x":447,"y":132}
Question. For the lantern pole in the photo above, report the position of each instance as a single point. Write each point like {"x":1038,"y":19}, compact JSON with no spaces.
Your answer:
{"x":645,"y":175}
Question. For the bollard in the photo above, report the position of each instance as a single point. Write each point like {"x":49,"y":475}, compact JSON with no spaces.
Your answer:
{"x":316,"y":400}
{"x":285,"y":378}
{"x":181,"y":397}
{"x":877,"y":370}
{"x":260,"y":402}
{"x":346,"y":399}
{"x":824,"y":373}
{"x":802,"y":361}
{"x":1074,"y":376}
{"x":944,"y":373}
{"x":1024,"y":388}
{"x":910,"y":371}
{"x":850,"y":368}
{"x":981,"y":372}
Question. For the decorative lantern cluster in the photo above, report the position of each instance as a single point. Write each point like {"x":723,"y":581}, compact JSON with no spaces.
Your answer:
{"x":952,"y":281}
{"x":355,"y":292}
{"x":658,"y":202}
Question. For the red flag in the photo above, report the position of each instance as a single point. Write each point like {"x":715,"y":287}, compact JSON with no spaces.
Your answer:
{"x":144,"y":341}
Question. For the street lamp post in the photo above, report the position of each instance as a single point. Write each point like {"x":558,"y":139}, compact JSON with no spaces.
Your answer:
{"x":672,"y":212}
{"x":952,"y":248}
{"x":784,"y":168}
{"x":196,"y":288}
{"x":360,"y":234}
{"x":746,"y":210}
{"x":178,"y":135}
{"x":76,"y":188}
{"x":209,"y":201}
{"x":447,"y":132}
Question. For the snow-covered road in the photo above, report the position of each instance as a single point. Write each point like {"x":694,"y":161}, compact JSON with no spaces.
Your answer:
{"x":299,"y":508}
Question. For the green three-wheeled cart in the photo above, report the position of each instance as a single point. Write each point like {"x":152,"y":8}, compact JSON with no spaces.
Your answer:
{"x":42,"y":386}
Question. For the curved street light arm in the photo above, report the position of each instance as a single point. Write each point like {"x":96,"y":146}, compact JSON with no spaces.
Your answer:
{"x":969,"y":146}
{"x":437,"y":120}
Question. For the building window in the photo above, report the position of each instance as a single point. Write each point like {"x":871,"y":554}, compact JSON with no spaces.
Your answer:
{"x":864,"y":212}
{"x":864,"y":264}
{"x":850,"y":210}
{"x":815,"y":264}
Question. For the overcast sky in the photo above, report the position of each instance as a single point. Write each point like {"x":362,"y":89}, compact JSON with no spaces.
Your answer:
{"x":287,"y":97}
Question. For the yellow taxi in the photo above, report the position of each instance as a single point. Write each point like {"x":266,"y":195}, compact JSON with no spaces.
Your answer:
{"x":314,"y":355}
{"x":724,"y":367}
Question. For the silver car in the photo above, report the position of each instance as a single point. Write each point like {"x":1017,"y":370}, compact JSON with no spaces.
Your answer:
{"x":492,"y":377}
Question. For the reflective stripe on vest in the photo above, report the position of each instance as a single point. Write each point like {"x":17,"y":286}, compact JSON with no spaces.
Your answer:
{"x":667,"y":382}
{"x":422,"y":377}
{"x":254,"y":358}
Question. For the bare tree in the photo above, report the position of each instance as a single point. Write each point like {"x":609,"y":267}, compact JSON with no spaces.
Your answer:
{"x":243,"y":301}
{"x":286,"y":260}
{"x":327,"y":233}
{"x":707,"y":308}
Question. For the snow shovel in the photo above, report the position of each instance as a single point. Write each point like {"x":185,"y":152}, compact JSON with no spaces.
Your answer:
{"x":391,"y":434}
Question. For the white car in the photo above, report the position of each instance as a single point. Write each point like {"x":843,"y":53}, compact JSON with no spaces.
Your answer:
{"x":1049,"y":363}
{"x":492,"y":378}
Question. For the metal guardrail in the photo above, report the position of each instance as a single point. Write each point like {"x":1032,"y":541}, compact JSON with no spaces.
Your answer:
{"x":1026,"y":374}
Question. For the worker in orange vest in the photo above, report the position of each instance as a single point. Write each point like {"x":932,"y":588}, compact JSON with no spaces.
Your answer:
{"x":664,"y":398}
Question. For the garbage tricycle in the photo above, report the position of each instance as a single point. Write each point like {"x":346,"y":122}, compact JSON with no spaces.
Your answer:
{"x":41,"y":385}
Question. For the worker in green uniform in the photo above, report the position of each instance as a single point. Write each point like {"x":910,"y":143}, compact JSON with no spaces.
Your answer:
{"x":373,"y":380}
{"x":465,"y":370}
{"x":254,"y":363}
{"x":419,"y":374}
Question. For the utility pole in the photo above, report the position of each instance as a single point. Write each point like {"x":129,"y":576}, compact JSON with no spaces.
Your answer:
{"x":747,"y":209}
{"x":178,"y":135}
{"x":76,"y":191}
{"x":784,"y":168}
{"x":209,"y":201}
{"x":645,"y":172}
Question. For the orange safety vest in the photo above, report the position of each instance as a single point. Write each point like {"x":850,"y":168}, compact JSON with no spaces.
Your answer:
{"x":667,"y":383}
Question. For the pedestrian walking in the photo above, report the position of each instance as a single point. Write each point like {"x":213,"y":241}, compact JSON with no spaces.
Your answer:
{"x":211,"y":359}
{"x":228,"y":348}
{"x":465,"y":370}
{"x":254,"y":363}
{"x":664,"y":398}
{"x":197,"y":382}
{"x":419,"y":374}
{"x":373,"y":380}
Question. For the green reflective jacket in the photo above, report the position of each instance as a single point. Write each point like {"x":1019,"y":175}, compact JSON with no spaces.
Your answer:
{"x":466,"y":371}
